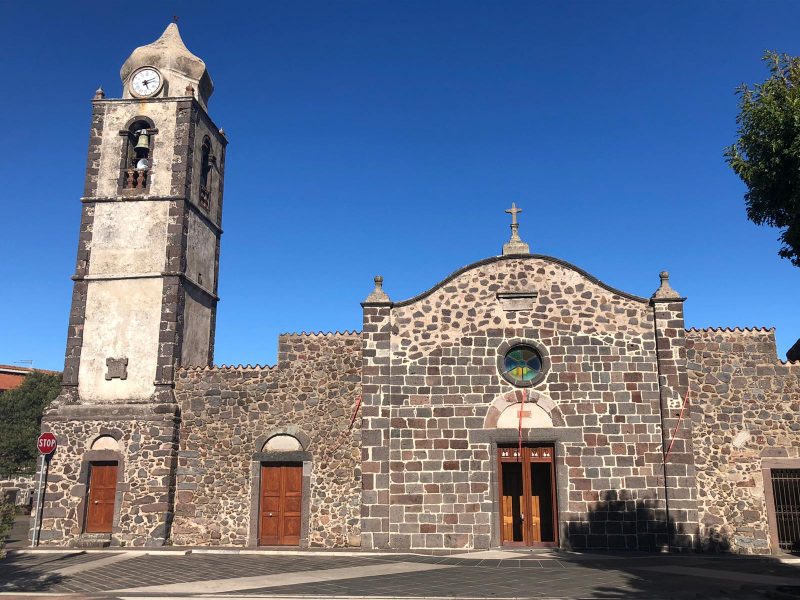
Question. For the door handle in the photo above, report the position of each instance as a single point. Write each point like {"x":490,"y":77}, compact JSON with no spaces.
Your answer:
{"x":97,"y":501}
{"x":270,"y":514}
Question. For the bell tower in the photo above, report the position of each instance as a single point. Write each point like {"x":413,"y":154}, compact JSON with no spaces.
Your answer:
{"x":145,"y":291}
{"x":144,"y":301}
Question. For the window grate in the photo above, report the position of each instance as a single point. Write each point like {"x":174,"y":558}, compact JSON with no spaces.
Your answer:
{"x":786,"y":490}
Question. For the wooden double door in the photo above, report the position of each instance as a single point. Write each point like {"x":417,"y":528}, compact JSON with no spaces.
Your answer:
{"x":528,"y":515}
{"x":101,"y":496}
{"x":280,"y":504}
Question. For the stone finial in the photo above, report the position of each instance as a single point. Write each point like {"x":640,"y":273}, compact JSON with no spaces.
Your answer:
{"x":222,"y":133}
{"x":515,"y":245}
{"x":99,"y":94}
{"x":665,"y":289}
{"x":378,"y":295}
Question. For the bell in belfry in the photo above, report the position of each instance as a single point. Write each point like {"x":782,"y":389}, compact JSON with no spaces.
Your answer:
{"x":144,"y":140}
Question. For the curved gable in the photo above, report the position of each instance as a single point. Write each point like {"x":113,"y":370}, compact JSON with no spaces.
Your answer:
{"x":542,"y":257}
{"x":521,"y":297}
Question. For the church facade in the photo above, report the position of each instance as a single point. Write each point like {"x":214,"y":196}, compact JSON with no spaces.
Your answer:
{"x":519,"y":402}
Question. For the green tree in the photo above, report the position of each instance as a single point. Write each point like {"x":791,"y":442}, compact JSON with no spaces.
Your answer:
{"x":7,"y":513}
{"x":766,"y":155}
{"x":20,"y":418}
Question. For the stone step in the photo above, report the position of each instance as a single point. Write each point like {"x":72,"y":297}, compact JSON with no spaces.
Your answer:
{"x":93,"y":540}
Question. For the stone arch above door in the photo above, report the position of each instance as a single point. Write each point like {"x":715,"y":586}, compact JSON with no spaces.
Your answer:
{"x":105,"y":442}
{"x":543,"y":411}
{"x":533,"y":417}
{"x":282,"y":442}
{"x":292,"y":431}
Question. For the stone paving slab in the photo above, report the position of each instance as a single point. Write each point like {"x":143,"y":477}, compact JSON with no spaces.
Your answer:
{"x":163,"y":569}
{"x":52,"y":562}
{"x":683,"y":577}
{"x":504,"y":582}
{"x":261,"y":581}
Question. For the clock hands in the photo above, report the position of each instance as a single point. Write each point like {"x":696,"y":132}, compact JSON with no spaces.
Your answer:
{"x":146,"y":82}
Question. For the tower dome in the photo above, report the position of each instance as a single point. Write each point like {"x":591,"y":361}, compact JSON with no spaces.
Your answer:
{"x":180,"y":67}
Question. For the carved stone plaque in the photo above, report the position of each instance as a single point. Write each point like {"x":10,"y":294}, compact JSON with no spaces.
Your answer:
{"x":116,"y":368}
{"x":514,"y":301}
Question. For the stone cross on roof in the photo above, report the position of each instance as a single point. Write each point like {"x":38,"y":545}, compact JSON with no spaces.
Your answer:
{"x":515,"y":245}
{"x":513,"y":211}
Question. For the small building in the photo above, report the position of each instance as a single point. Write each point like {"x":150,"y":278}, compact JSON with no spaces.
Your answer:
{"x":518,"y":402}
{"x":12,"y":376}
{"x":16,"y":490}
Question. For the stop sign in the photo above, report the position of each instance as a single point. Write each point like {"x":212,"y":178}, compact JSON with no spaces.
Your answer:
{"x":46,"y":443}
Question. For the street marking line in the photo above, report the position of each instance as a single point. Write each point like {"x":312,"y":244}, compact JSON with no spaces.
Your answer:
{"x":216,"y":586}
{"x":496,"y":554}
{"x":338,"y":597}
{"x":65,"y":572}
{"x":720,"y":574}
{"x":89,"y":565}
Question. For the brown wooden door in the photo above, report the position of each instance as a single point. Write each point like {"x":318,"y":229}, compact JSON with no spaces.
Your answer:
{"x":280,"y":504}
{"x":527,"y":496}
{"x":102,"y":490}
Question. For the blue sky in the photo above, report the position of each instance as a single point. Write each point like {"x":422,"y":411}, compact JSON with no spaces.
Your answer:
{"x":389,"y":137}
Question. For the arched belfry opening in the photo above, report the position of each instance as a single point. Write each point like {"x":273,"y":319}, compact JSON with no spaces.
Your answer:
{"x":137,"y":154}
{"x":206,"y":162}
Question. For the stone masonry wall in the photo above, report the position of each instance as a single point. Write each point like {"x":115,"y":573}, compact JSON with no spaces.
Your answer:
{"x":229,"y":411}
{"x":431,"y":375}
{"x":21,"y":489}
{"x":676,"y":423}
{"x":147,"y":441}
{"x":748,"y":404}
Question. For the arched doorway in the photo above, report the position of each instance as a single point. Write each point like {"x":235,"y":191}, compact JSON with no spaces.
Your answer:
{"x":526,"y":478}
{"x":282,"y":491}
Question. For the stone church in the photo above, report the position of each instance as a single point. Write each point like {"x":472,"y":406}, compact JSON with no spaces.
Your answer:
{"x":518,"y":402}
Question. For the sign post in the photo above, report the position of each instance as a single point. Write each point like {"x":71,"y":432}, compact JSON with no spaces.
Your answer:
{"x":47,"y":445}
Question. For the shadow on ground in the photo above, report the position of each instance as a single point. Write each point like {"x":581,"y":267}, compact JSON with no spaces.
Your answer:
{"x":667,"y":563}
{"x":19,"y":573}
{"x":23,"y":572}
{"x":17,"y":538}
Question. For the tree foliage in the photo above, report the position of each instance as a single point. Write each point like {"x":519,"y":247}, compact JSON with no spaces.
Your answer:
{"x":7,"y":513}
{"x":766,"y":154}
{"x":20,"y":419}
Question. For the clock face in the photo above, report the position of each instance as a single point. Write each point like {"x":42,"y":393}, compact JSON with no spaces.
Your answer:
{"x":146,"y":82}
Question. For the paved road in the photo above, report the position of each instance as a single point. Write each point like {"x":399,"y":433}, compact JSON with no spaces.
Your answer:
{"x":493,"y":574}
{"x":17,"y":538}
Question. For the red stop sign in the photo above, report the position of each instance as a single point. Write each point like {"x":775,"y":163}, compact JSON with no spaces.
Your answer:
{"x":46,"y":443}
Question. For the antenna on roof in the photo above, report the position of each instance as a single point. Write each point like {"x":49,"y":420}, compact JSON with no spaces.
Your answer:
{"x":27,"y":361}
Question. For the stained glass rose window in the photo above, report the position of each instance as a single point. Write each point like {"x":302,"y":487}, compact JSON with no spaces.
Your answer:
{"x":522,"y":365}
